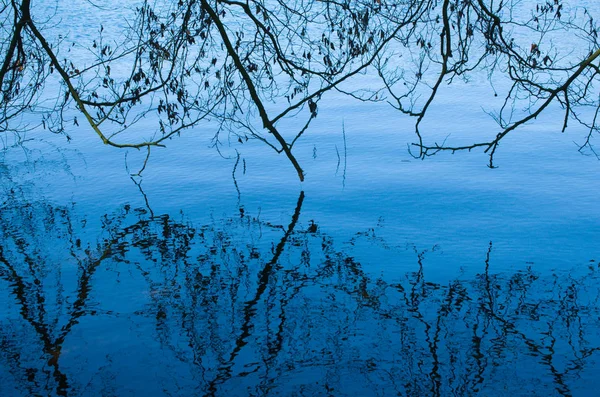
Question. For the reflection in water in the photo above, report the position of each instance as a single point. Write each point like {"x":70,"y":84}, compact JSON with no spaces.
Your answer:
{"x":242,"y":306}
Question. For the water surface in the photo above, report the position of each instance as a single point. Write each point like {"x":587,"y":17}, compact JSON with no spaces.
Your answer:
{"x":379,"y":275}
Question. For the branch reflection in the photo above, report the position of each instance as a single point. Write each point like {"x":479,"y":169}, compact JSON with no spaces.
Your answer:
{"x":243,"y":306}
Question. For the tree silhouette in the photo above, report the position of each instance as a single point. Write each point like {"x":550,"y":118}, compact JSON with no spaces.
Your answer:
{"x":245,"y":67}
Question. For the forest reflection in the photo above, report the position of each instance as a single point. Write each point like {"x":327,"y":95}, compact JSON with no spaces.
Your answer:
{"x":243,"y":306}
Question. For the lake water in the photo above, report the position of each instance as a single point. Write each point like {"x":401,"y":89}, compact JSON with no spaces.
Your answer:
{"x":379,"y":275}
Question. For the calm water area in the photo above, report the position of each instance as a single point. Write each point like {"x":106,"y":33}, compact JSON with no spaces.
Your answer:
{"x":380,"y":275}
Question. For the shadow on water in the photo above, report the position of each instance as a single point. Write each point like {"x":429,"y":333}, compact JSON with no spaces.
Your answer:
{"x":149,"y":303}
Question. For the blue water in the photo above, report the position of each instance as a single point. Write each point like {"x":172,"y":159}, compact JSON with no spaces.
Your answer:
{"x":379,"y":275}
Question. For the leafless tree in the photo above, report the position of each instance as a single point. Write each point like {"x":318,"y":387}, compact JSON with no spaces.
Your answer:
{"x":249,"y":66}
{"x":544,"y":52}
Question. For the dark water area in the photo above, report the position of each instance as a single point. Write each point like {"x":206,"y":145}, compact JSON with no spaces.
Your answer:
{"x":250,"y":301}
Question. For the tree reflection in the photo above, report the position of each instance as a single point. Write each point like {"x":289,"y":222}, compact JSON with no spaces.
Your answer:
{"x":242,"y":306}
